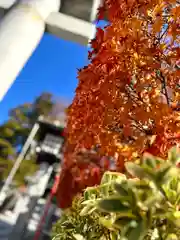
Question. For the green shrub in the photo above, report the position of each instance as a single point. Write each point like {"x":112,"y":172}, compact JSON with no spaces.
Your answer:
{"x":73,"y":226}
{"x":143,"y":208}
{"x":143,"y":204}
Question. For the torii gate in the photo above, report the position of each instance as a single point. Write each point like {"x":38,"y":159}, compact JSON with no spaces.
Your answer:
{"x":23,"y":23}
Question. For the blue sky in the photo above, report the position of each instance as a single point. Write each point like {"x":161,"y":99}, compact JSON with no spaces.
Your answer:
{"x":52,"y":68}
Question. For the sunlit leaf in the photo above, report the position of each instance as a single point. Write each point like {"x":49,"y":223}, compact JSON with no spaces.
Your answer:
{"x":172,"y":236}
{"x":108,"y":223}
{"x":174,"y":155}
{"x":135,"y":170}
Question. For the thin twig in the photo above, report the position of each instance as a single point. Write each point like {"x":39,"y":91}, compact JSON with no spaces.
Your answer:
{"x":163,"y":81}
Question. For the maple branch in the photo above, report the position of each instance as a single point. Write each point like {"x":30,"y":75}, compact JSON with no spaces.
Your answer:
{"x":164,"y":87}
{"x":135,"y":98}
{"x":114,"y":128}
{"x":166,"y":93}
{"x":164,"y":33}
{"x":138,"y":125}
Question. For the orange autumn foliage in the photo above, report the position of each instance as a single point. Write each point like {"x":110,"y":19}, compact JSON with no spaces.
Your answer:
{"x":128,"y":92}
{"x":127,"y":100}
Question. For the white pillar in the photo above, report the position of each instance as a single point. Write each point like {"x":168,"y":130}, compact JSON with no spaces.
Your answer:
{"x":94,"y":12}
{"x":20,"y":32}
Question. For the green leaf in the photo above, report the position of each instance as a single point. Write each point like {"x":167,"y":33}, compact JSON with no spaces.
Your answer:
{"x":78,"y":237}
{"x":160,"y":213}
{"x":105,"y":178}
{"x":172,"y":236}
{"x":112,"y":205}
{"x":127,"y":214}
{"x":86,"y":195}
{"x":135,"y":170}
{"x":90,"y":193}
{"x":177,"y":214}
{"x":109,"y":177}
{"x":149,"y":203}
{"x":87,"y":210}
{"x":149,"y":160}
{"x":120,"y":189}
{"x":114,"y":236}
{"x":161,"y":175}
{"x":108,"y":223}
{"x":140,"y":171}
{"x":174,"y":155}
{"x":171,"y":195}
{"x":139,"y":232}
{"x":105,"y":189}
{"x":174,"y":218}
{"x":130,"y":198}
{"x":142,"y":185}
{"x":5,"y":143}
{"x":120,"y":223}
{"x":150,"y":216}
{"x":174,"y":183}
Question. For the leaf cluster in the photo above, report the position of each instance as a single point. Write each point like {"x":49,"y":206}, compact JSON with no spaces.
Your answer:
{"x":73,"y":226}
{"x":145,"y":207}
